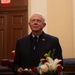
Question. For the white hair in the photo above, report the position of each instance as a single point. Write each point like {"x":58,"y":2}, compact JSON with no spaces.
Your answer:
{"x":38,"y":14}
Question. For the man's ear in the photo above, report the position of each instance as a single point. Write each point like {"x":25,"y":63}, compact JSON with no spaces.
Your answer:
{"x":29,"y":23}
{"x":44,"y":24}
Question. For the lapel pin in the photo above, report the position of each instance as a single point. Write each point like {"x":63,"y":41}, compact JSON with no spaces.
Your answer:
{"x":43,"y":39}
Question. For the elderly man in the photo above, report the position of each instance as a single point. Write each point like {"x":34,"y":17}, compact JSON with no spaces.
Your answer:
{"x":31,"y":48}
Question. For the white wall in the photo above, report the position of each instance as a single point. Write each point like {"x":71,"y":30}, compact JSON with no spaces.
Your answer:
{"x":38,"y":6}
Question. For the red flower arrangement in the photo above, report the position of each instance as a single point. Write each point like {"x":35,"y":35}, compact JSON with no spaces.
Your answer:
{"x":47,"y":65}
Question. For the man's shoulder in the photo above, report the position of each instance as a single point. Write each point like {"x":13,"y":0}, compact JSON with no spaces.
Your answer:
{"x":50,"y":36}
{"x":23,"y":38}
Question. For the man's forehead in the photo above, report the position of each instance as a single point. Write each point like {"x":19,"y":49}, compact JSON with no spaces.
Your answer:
{"x":36,"y":16}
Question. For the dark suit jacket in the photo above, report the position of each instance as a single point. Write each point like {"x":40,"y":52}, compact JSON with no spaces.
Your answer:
{"x":23,"y":53}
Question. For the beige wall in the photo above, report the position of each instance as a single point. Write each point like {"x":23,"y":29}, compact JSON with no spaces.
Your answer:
{"x":74,"y":23}
{"x":59,"y":18}
{"x":60,"y":24}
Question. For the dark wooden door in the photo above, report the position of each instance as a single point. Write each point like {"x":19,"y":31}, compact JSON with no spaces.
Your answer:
{"x":13,"y":25}
{"x":3,"y":34}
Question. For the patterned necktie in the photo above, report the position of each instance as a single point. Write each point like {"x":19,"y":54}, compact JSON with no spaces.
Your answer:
{"x":35,"y":42}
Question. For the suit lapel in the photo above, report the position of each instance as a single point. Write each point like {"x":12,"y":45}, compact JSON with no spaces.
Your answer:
{"x":42,"y":42}
{"x":28,"y":45}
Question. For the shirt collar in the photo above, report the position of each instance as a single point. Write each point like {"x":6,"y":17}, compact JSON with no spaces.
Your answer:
{"x":36,"y":36}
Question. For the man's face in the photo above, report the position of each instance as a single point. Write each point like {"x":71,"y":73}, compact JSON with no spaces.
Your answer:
{"x":36,"y":23}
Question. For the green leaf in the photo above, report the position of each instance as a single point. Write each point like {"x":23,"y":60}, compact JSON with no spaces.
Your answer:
{"x":49,"y":53}
{"x":53,"y":53}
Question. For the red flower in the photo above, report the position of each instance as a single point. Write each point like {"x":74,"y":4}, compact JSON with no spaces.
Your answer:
{"x":59,"y":68}
{"x":44,"y":61}
{"x":34,"y":69}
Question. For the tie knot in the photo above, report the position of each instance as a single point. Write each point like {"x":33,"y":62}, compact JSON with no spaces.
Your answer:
{"x":35,"y":37}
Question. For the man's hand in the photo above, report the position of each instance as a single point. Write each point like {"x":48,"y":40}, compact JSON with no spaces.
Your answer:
{"x":20,"y":70}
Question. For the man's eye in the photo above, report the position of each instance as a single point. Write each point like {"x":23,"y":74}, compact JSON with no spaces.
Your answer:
{"x":33,"y":21}
{"x":38,"y":20}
